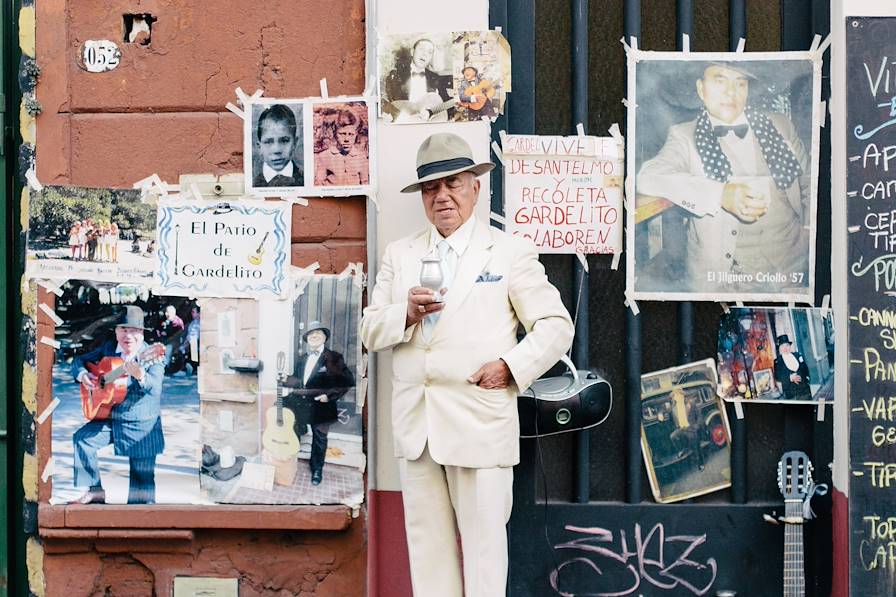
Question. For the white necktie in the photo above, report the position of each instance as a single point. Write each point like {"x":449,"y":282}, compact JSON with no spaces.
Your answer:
{"x":448,"y":261}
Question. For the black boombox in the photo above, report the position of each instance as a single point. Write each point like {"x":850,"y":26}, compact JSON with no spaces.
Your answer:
{"x":571,"y":402}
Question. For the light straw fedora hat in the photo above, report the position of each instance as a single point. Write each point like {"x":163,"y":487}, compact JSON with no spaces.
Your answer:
{"x":444,"y":154}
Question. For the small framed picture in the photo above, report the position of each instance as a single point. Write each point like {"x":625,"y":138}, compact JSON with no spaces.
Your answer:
{"x":684,"y":432}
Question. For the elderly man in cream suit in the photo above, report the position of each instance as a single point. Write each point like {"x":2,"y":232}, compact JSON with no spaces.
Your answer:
{"x":456,"y":371}
{"x":742,"y":176}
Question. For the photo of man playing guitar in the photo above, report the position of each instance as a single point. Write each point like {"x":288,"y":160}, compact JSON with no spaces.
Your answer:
{"x":128,"y":375}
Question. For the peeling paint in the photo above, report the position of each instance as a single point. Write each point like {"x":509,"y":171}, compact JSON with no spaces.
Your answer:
{"x":29,"y":298}
{"x":29,"y":388}
{"x":26,"y":30}
{"x":29,"y":476}
{"x":27,"y":126}
{"x":24,"y":215}
{"x":34,"y":558}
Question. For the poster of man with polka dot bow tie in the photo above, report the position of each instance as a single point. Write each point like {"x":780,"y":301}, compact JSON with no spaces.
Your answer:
{"x":725,"y":157}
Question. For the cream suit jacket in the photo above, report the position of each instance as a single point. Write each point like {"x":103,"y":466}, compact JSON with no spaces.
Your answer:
{"x":498,"y":284}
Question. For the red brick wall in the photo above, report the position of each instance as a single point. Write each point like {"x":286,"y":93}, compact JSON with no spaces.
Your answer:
{"x":162,"y":111}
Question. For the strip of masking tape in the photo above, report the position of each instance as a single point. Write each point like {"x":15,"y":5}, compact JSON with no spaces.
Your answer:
{"x":498,"y":218}
{"x":625,"y":102}
{"x":49,"y":469}
{"x":349,"y":270}
{"x":617,"y":257}
{"x":54,"y":287}
{"x":45,"y":414}
{"x":498,"y":153}
{"x":50,"y":313}
{"x":612,"y":180}
{"x":822,"y":106}
{"x":143,"y":182}
{"x":583,"y":260}
{"x":631,"y":304}
{"x":295,"y":200}
{"x":624,"y":43}
{"x":235,"y":110}
{"x":791,"y":305}
{"x":258,"y":93}
{"x":324,"y":92}
{"x":826,"y":302}
{"x":498,"y":29}
{"x":242,"y":98}
{"x":819,"y":416}
{"x":616,"y":133}
{"x":50,"y":342}
{"x":194,"y":190}
{"x":303,"y":272}
{"x":31,"y":177}
{"x":741,"y":45}
{"x":580,"y":129}
{"x":853,"y":229}
{"x":725,"y":308}
{"x":358,"y":277}
{"x":739,"y":304}
{"x":815,"y":41}
{"x":371,"y":85}
{"x":634,"y":43}
{"x":685,"y":43}
{"x":738,"y":409}
{"x":823,"y":46}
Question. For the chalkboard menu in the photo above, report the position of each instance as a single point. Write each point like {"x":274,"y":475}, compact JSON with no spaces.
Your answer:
{"x":871,"y":221}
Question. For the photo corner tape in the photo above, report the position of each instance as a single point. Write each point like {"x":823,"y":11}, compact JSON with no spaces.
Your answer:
{"x":49,"y":469}
{"x":583,"y":260}
{"x":826,"y":302}
{"x":324,"y":92}
{"x":819,"y":416}
{"x":47,"y":411}
{"x":816,"y":40}
{"x":741,"y":45}
{"x":498,"y":153}
{"x":498,"y":218}
{"x":235,"y":110}
{"x":580,"y":129}
{"x":725,"y":307}
{"x":617,"y":257}
{"x":51,"y":313}
{"x":685,"y":43}
{"x":50,"y":342}
{"x":739,"y":409}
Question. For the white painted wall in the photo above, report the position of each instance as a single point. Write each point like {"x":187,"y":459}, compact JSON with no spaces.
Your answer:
{"x":840,"y":9}
{"x":398,"y":214}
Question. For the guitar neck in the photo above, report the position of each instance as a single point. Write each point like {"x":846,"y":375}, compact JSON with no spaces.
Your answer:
{"x":794,"y":570}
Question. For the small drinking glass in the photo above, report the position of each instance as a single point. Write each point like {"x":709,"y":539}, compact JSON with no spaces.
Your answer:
{"x":431,"y":276}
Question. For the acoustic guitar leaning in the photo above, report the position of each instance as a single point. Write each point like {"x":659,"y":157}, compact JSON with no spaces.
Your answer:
{"x":96,"y":404}
{"x":279,"y":437}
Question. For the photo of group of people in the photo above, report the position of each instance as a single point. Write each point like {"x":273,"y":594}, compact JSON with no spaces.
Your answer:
{"x":126,"y":426}
{"x":309,"y":147}
{"x":776,"y":354}
{"x":442,"y":77}
{"x":685,"y":436}
{"x":103,"y":234}
{"x":725,"y":176}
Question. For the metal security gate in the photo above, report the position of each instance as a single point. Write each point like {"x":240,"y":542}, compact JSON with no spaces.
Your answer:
{"x":584,"y":522}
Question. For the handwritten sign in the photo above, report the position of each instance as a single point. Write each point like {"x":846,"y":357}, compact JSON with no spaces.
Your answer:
{"x":238,"y":249}
{"x":871,"y":220}
{"x":564,"y":193}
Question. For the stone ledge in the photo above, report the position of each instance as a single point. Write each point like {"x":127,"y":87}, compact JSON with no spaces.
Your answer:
{"x":133,"y":517}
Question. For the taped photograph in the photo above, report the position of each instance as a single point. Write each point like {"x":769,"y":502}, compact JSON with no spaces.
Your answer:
{"x":776,"y":354}
{"x":106,"y":235}
{"x":685,"y":435}
{"x":416,"y":77}
{"x":481,"y":75}
{"x":274,"y":143}
{"x":341,"y":145}
{"x":126,"y":427}
{"x":726,"y":166}
{"x":310,"y":439}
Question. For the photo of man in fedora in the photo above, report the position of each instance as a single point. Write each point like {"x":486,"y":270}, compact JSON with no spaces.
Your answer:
{"x":133,"y":427}
{"x":738,"y":171}
{"x":320,"y":378}
{"x":457,"y":368}
{"x":791,"y":371}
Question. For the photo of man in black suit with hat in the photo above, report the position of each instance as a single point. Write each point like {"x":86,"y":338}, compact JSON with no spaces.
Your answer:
{"x":791,"y":371}
{"x":320,"y":378}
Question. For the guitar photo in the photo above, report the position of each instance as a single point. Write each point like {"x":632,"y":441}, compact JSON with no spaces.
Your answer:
{"x":279,"y":437}
{"x":112,"y":382}
{"x":429,"y":108}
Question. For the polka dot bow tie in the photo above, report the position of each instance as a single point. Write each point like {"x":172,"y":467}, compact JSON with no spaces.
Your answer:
{"x":782,"y":163}
{"x":721,"y":130}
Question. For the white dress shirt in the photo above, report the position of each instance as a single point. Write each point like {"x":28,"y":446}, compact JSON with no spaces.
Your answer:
{"x":269,"y":173}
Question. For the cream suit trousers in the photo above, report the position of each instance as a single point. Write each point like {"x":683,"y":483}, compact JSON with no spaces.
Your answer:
{"x":438,"y":502}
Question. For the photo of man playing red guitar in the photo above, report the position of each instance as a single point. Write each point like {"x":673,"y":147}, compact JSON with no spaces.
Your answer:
{"x":121,"y":388}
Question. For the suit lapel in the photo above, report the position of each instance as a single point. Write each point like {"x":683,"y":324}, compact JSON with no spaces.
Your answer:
{"x":469,"y":267}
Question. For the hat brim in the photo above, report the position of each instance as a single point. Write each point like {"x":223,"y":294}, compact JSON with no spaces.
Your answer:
{"x":125,"y":324}
{"x":476,"y":169}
